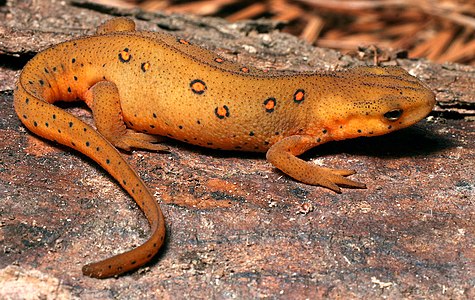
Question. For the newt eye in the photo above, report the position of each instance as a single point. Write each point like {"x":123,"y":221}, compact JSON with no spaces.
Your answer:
{"x":393,"y":115}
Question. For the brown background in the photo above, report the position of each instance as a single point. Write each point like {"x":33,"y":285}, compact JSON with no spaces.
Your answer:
{"x":236,"y":226}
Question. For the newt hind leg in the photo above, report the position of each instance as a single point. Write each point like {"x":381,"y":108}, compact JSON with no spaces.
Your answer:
{"x":283,"y":155}
{"x":118,"y":24}
{"x":104,"y":100}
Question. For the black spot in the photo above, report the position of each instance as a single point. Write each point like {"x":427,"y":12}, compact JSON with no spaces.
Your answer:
{"x":108,"y":161}
{"x":97,"y":148}
{"x":30,"y":82}
{"x":25,"y":117}
{"x":125,"y":56}
{"x":69,"y":89}
{"x":59,"y":130}
{"x":88,"y":144}
{"x":154,"y":115}
{"x":251,"y":133}
{"x":41,"y":82}
{"x":54,"y":69}
{"x":218,"y":111}
{"x":85,"y":129}
{"x":46,"y":71}
{"x":266,"y":143}
{"x":209,"y":143}
{"x":145,"y":66}
{"x":152,"y":126}
{"x":199,"y":122}
{"x":181,"y":127}
{"x":359,"y":130}
{"x":46,"y":124}
{"x":299,"y":96}
{"x":35,"y":124}
{"x":125,"y":182}
{"x":324,"y":131}
{"x":390,"y":126}
{"x":73,"y":60}
{"x":270,"y":104}
{"x":198,"y":86}
{"x":319,"y":140}
{"x":70,"y":124}
{"x":75,"y":78}
{"x":72,"y":143}
{"x":133,"y":262}
{"x":54,"y":117}
{"x":277,"y":133}
{"x":27,"y":100}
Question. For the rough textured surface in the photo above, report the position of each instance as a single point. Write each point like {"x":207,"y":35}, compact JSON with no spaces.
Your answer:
{"x":237,"y":227}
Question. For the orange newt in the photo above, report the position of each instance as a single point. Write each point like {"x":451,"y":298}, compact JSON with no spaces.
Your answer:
{"x":142,"y":85}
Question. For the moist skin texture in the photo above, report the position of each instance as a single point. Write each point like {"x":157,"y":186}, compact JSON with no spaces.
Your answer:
{"x":143,"y":85}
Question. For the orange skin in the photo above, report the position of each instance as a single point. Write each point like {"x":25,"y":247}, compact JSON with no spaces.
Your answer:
{"x":142,"y":85}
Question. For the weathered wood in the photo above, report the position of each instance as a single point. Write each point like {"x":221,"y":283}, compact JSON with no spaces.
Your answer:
{"x":236,"y":226}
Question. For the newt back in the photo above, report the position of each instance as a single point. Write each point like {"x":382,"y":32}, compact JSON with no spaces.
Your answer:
{"x":140,"y":85}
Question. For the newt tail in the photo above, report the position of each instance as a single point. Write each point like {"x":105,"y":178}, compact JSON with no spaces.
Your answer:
{"x":142,"y":86}
{"x":38,"y":114}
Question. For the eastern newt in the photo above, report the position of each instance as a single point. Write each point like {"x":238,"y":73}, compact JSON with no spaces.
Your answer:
{"x":143,"y":85}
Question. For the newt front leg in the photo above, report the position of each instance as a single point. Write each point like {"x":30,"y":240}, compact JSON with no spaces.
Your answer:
{"x":283,"y":155}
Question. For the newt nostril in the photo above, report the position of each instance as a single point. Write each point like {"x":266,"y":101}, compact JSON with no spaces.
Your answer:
{"x":393,"y":115}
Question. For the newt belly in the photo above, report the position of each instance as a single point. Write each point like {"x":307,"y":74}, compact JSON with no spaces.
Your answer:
{"x":143,"y":85}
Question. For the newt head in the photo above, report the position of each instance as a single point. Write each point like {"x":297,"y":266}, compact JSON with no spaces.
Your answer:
{"x":376,"y":100}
